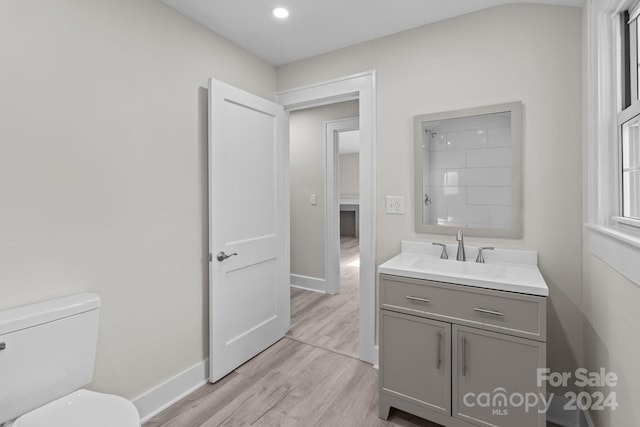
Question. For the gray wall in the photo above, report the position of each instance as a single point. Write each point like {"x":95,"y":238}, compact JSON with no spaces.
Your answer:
{"x":611,"y":325}
{"x":308,"y":154}
{"x":528,"y":53}
{"x":103,"y":142}
{"x":349,"y":174}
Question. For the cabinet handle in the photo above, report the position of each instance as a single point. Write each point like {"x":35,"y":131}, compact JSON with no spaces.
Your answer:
{"x":439,"y":337}
{"x":417,"y":299}
{"x":464,"y":356}
{"x":492,"y":312}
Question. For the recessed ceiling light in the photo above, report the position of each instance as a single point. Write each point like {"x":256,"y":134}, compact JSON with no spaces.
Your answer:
{"x":280,"y":12}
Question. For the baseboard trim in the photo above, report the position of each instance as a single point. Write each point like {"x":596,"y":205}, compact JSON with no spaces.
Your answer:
{"x":309,"y":283}
{"x":376,"y":357}
{"x":567,"y":418}
{"x":162,"y":396}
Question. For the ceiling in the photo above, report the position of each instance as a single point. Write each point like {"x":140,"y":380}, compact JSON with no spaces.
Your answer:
{"x":320,"y":26}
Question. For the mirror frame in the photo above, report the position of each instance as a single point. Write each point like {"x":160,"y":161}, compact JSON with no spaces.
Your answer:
{"x":515,"y":231}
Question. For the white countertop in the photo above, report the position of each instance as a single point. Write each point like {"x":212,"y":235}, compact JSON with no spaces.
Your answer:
{"x":504,"y":269}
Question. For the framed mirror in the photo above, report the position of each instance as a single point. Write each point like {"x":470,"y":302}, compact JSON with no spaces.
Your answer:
{"x":469,"y":171}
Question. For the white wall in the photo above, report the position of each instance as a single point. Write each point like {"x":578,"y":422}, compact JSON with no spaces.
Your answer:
{"x":528,"y":53}
{"x":308,"y":176}
{"x":611,"y":325}
{"x":349,"y":174}
{"x":103,"y":142}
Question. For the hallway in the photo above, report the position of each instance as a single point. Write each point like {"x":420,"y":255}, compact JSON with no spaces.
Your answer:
{"x":331,"y":321}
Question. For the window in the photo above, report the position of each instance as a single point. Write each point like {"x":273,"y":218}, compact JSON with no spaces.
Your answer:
{"x":631,"y":169}
{"x":629,"y":121}
{"x":613,"y":123}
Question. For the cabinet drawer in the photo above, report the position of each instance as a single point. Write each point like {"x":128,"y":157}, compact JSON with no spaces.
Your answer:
{"x":506,"y":312}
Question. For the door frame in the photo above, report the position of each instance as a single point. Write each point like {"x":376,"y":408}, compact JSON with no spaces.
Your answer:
{"x":332,"y":205}
{"x":359,"y":86}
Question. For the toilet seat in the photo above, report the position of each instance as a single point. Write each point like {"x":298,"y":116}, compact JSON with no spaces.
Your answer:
{"x":83,"y":408}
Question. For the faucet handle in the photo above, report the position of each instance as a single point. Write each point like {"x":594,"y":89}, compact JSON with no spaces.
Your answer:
{"x":444,"y":254}
{"x":480,"y":257}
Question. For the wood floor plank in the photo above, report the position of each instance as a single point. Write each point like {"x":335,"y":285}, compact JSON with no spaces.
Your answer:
{"x":272,"y":358}
{"x":294,"y":409}
{"x":344,"y":402}
{"x":279,"y":415}
{"x":322,"y":396}
{"x":331,"y":321}
{"x":252,"y":404}
{"x":204,"y":408}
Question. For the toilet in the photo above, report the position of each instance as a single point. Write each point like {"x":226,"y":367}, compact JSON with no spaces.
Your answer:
{"x":47,"y":354}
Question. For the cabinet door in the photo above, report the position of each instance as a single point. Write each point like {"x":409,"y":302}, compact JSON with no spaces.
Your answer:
{"x":415,"y":360}
{"x":494,"y":376}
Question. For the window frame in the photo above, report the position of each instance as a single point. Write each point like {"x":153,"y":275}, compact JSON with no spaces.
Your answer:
{"x":629,"y":99}
{"x":611,"y":237}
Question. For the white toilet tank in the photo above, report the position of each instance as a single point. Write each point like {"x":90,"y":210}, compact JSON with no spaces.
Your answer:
{"x":47,"y":350}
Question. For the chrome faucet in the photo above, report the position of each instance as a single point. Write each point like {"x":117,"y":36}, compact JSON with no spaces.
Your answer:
{"x":461,"y":255}
{"x":480,"y":257}
{"x":443,"y":254}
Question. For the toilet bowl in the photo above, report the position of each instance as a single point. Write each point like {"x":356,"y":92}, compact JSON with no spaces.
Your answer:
{"x":47,"y":354}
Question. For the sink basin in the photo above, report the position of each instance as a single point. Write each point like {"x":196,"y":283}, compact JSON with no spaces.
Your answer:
{"x":458,"y":268}
{"x":522,"y":278}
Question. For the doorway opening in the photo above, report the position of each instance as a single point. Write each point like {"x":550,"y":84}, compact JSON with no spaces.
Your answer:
{"x":325,"y":256}
{"x":360,"y":87}
{"x":345,"y":136}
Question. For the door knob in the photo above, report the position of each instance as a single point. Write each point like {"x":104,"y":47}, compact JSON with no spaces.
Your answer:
{"x":222,"y":256}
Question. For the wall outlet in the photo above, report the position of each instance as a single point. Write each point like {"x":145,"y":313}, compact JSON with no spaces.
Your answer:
{"x":395,"y":205}
{"x":314,"y":199}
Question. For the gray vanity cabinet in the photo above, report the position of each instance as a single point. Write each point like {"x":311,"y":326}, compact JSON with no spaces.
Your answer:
{"x":501,"y":368}
{"x":445,"y":349}
{"x":425,"y":359}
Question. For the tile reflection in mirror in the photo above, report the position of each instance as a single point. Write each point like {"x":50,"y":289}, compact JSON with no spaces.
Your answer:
{"x":468,"y":171}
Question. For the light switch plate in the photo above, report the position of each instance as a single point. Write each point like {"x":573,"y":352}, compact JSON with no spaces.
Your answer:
{"x":395,"y":205}
{"x":313,"y":199}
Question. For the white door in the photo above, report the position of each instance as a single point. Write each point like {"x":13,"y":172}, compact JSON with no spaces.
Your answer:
{"x":248,"y":223}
